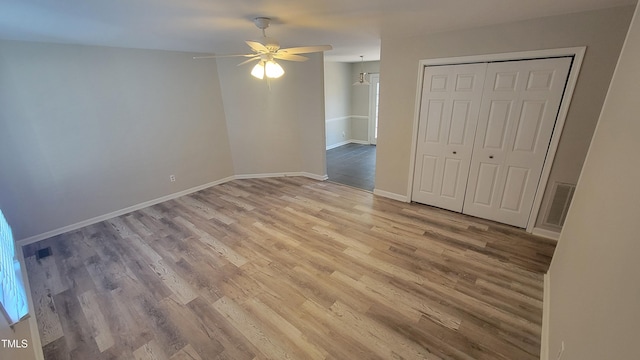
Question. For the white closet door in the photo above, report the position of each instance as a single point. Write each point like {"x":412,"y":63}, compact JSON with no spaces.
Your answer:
{"x":518,"y":113}
{"x":449,"y":109}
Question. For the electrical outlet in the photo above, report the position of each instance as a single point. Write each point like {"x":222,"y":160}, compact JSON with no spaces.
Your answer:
{"x":561,"y":350}
{"x":172,"y":178}
{"x":344,"y":135}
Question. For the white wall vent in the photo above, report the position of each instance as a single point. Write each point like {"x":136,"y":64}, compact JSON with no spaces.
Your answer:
{"x":559,"y":206}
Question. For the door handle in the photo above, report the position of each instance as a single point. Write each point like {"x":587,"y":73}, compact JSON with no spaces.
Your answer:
{"x":455,"y":152}
{"x":490,"y":156}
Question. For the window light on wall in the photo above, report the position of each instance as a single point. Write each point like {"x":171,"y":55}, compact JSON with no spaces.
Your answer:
{"x":13,"y":298}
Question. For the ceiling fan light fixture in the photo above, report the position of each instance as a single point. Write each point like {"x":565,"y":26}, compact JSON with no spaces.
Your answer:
{"x":273,"y":70}
{"x":258,"y":71}
{"x":267,"y":50}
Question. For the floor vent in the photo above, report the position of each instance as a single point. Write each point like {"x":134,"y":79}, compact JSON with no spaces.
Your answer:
{"x":557,"y":211}
{"x":43,"y":253}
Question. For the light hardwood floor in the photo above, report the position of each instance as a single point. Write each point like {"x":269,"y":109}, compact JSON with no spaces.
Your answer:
{"x":290,"y":268}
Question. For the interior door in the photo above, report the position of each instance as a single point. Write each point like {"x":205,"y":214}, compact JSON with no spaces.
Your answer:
{"x":449,"y":109}
{"x":518,"y":113}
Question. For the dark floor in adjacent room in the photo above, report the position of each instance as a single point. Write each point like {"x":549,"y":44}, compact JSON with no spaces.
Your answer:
{"x":353,"y":165}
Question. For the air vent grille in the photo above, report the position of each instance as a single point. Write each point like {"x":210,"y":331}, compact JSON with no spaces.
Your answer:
{"x":557,"y":210}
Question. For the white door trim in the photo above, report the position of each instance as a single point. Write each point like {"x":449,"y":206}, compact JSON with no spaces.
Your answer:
{"x":578,"y":55}
{"x":374,"y":79}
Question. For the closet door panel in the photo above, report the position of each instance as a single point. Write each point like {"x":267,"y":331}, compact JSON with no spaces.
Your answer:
{"x":449,"y":107}
{"x":516,"y":120}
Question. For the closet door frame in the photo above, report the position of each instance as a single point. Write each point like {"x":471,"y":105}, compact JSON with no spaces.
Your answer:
{"x":578,"y":55}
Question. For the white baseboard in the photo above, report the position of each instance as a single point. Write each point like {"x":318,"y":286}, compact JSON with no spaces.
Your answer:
{"x":259,"y":176}
{"x":352,"y":141}
{"x":362,"y":142}
{"x":546,"y":233}
{"x":546,"y":299}
{"x":313,"y":176}
{"x":391,"y":195}
{"x":116,"y":213}
{"x":329,"y":147}
{"x":285,"y":174}
{"x":97,"y":219}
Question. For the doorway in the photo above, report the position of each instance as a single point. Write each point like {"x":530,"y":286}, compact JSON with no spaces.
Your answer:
{"x":352,"y":122}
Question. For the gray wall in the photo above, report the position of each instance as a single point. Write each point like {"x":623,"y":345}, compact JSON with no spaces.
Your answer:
{"x":595,"y":271}
{"x":278,"y":129}
{"x":360,"y":100}
{"x":347,"y":106}
{"x":85,"y":131}
{"x":337,"y":90}
{"x":337,"y":94}
{"x":360,"y":94}
{"x":601,"y":31}
{"x":311,"y":114}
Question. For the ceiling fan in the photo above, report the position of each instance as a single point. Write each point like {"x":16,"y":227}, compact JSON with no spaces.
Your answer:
{"x":268,"y":50}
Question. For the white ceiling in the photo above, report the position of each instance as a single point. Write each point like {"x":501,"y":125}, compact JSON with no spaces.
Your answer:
{"x":353,"y":27}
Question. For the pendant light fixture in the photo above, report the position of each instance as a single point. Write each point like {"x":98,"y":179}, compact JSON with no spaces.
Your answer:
{"x":362,"y":79}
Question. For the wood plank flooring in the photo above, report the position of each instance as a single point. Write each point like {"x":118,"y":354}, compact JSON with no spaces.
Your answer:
{"x":290,"y":268}
{"x":353,"y":165}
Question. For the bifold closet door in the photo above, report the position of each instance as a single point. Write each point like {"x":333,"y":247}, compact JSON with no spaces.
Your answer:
{"x":520,"y":104}
{"x":448,"y":117}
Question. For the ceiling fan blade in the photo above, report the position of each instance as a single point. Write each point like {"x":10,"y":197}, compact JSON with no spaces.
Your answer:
{"x":306,"y":49}
{"x":248,"y":61}
{"x":257,"y":47}
{"x":290,"y":57}
{"x":222,"y":56}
